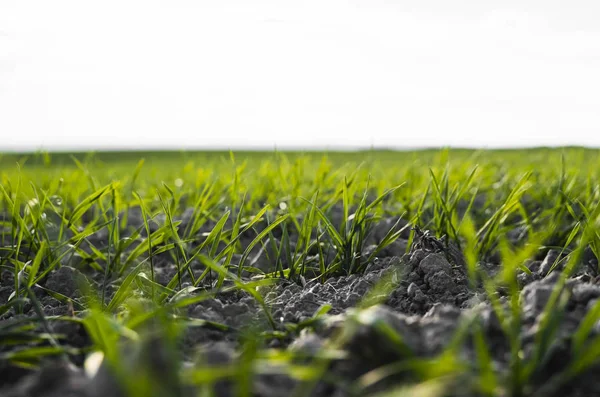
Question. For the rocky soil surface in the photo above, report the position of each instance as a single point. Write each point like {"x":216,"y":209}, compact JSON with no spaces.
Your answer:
{"x":424,"y":296}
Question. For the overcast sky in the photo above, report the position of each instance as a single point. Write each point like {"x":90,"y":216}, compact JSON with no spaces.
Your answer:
{"x":307,"y":74}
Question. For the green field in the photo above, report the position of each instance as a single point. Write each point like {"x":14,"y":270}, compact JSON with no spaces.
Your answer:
{"x":147,"y":242}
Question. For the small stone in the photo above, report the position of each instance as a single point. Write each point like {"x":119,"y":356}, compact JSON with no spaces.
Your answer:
{"x":523,"y":279}
{"x":416,"y":294}
{"x":417,"y":256}
{"x":535,"y":296}
{"x":434,"y":263}
{"x":583,"y":293}
{"x":534,"y":266}
{"x":441,"y":282}
{"x":547,"y":263}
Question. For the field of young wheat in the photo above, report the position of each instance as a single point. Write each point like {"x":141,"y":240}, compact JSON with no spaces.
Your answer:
{"x":376,"y":273}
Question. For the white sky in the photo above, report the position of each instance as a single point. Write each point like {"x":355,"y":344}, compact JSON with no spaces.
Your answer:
{"x":310,"y":73}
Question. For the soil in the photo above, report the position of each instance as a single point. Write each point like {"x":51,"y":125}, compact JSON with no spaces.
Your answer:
{"x":423,"y":295}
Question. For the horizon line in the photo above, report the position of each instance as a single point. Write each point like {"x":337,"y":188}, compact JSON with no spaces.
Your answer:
{"x":263,"y":149}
